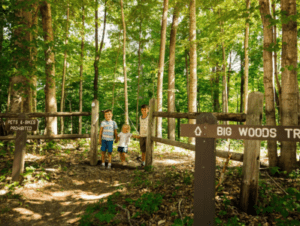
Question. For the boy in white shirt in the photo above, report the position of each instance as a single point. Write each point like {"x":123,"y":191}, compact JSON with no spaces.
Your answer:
{"x":124,"y":136}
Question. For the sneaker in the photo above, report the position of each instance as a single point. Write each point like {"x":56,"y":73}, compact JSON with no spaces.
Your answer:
{"x":142,"y":165}
{"x":109,"y":167}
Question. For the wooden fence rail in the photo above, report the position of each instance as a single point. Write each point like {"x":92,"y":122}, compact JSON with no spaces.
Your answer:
{"x":60,"y":136}
{"x":43,"y":114}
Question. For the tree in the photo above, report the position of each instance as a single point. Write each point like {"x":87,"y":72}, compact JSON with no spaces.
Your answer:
{"x":193,"y":64}
{"x":139,"y":75}
{"x":161,"y":66}
{"x":246,"y":71}
{"x":81,"y":69}
{"x":124,"y":63}
{"x":268,"y":77}
{"x":62,"y":101}
{"x":289,"y":82}
{"x":171,"y":73}
{"x":50,"y":95}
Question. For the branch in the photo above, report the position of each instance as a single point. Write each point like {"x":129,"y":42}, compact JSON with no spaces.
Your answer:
{"x":128,"y":213}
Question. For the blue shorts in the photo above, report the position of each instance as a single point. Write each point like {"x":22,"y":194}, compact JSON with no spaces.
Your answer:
{"x":107,"y":145}
{"x":122,"y":149}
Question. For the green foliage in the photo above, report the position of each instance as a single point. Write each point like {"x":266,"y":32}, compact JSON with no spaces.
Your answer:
{"x":186,"y":221}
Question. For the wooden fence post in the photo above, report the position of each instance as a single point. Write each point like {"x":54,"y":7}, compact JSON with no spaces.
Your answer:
{"x":250,"y":173}
{"x":20,"y":150}
{"x":94,"y":133}
{"x":205,"y":168}
{"x":151,"y":132}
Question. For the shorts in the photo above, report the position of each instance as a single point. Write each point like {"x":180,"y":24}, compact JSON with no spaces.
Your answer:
{"x":123,"y":149}
{"x":107,"y":145}
{"x":143,"y":144}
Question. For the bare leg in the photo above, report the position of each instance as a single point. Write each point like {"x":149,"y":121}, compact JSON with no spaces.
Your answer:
{"x":103,"y":156}
{"x":143,"y":156}
{"x":109,"y":157}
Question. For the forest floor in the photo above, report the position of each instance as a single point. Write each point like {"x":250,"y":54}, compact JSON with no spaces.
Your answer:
{"x":60,"y":187}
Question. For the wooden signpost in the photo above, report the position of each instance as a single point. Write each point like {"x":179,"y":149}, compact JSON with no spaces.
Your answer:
{"x":205,"y":131}
{"x":21,"y":125}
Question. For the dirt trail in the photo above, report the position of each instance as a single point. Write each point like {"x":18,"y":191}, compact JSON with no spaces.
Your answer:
{"x":73,"y":185}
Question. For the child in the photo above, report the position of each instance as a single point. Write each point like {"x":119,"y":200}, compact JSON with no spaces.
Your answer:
{"x":108,"y":132}
{"x":124,"y":141}
{"x":143,"y":131}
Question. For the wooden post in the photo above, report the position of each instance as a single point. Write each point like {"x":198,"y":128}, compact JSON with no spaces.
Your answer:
{"x":151,"y":132}
{"x":20,"y":150}
{"x":94,"y":133}
{"x":250,"y":173}
{"x":205,"y":168}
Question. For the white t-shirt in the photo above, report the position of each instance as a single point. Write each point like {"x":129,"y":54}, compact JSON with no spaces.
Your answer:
{"x":124,"y":139}
{"x":143,"y":126}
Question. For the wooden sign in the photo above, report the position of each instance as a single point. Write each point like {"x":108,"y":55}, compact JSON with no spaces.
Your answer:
{"x":21,"y":124}
{"x":281,"y":133}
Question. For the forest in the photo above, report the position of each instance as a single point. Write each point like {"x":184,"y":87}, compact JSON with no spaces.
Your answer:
{"x":191,"y":56}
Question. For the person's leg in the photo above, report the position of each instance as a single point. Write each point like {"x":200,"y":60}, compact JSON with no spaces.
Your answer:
{"x":121,"y":157}
{"x":143,"y":156}
{"x":103,"y":157}
{"x":109,"y":158}
{"x":124,"y":158}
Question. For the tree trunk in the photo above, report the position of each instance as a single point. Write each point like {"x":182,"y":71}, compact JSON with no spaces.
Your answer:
{"x":242,"y":86}
{"x":276,"y":67}
{"x":81,"y":70}
{"x":62,"y":101}
{"x":289,"y":82}
{"x":139,"y":74}
{"x":113,"y":91}
{"x":34,"y":58}
{"x":193,"y":64}
{"x":228,"y":78}
{"x":187,"y":75}
{"x":268,"y":78}
{"x":171,"y":74}
{"x":96,"y":54}
{"x":124,"y":64}
{"x":246,"y":59}
{"x":70,"y":104}
{"x":161,"y":66}
{"x":215,"y":88}
{"x":50,"y":97}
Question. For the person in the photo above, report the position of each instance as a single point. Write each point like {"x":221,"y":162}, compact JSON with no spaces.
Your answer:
{"x":108,"y":131}
{"x":143,"y":131}
{"x":124,"y":136}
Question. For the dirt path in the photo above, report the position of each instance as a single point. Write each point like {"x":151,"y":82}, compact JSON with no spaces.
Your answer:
{"x":72,"y":186}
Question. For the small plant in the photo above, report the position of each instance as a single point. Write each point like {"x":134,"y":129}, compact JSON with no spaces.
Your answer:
{"x":186,"y":221}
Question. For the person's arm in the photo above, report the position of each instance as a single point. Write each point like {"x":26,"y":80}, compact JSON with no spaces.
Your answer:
{"x":116,"y":136}
{"x":100,"y":135}
{"x":136,"y":136}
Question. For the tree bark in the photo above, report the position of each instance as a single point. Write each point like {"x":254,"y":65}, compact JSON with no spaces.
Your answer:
{"x":242,"y":86}
{"x":96,"y":54}
{"x":161,"y":66}
{"x":139,"y":75}
{"x":50,"y":99}
{"x":193,"y":64}
{"x":62,"y":101}
{"x":289,"y":82}
{"x":81,"y":70}
{"x":276,"y":67}
{"x":268,"y":77}
{"x":246,"y":45}
{"x":187,"y":75}
{"x":113,"y":91}
{"x":171,"y":73}
{"x":124,"y":64}
{"x":34,"y":58}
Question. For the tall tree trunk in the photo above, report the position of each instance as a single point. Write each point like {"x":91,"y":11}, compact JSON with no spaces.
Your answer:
{"x":187,"y":76}
{"x":193,"y":64}
{"x":113,"y":91}
{"x":96,"y":69}
{"x":50,"y":99}
{"x":161,"y":67}
{"x":228,"y":77}
{"x":276,"y":67}
{"x":242,"y":85}
{"x":289,"y":82}
{"x":81,"y":70}
{"x":34,"y":58}
{"x":70,"y":105}
{"x":124,"y":64}
{"x":62,"y":101}
{"x":268,"y":77}
{"x":171,"y":73}
{"x":139,"y":74}
{"x":246,"y":45}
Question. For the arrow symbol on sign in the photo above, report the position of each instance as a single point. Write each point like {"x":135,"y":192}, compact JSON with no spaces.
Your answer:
{"x":198,"y":131}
